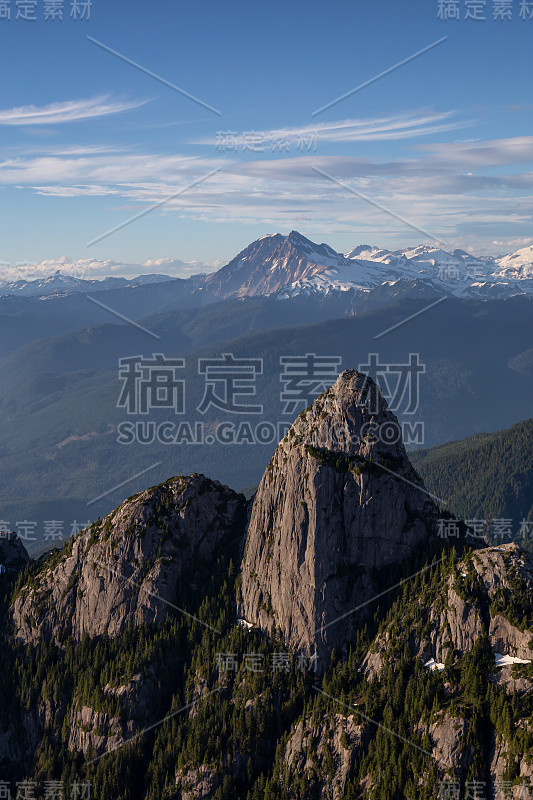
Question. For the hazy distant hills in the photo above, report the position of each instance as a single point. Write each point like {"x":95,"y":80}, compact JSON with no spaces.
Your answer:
{"x":59,"y":284}
{"x":25,"y":319}
{"x":275,"y":266}
{"x":100,"y":345}
{"x":58,"y":404}
{"x":281,"y":296}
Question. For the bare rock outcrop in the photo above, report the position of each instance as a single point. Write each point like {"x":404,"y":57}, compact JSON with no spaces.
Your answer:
{"x":126,"y":569}
{"x":101,"y":730}
{"x":501,"y":759}
{"x":477,"y":597}
{"x":97,"y":732}
{"x":316,"y":749}
{"x":508,"y":639}
{"x":338,"y":500}
{"x":455,"y":627}
{"x":469,"y":610}
{"x":448,"y":735}
{"x":198,"y":783}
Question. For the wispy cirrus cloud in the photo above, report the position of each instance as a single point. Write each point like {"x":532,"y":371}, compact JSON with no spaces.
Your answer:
{"x":488,"y":153}
{"x":68,"y":111}
{"x":389,"y":127}
{"x":469,"y":192}
{"x":97,"y":169}
{"x":149,"y":177}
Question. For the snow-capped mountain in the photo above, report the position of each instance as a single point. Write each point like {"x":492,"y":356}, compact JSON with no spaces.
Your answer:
{"x":518,"y":265}
{"x":293,"y":265}
{"x":272,"y":262}
{"x":58,"y":284}
{"x":459,"y":273}
{"x":430,"y":263}
{"x":289,"y":266}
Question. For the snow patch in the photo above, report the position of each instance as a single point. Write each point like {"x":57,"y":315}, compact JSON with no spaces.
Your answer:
{"x":507,"y":661}
{"x":432,"y":664}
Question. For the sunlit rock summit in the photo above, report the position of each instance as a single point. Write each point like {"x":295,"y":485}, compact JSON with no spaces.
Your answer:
{"x":338,"y":501}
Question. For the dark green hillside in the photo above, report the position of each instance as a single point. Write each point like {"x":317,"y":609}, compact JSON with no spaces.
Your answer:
{"x":234,"y":738}
{"x":487,"y":476}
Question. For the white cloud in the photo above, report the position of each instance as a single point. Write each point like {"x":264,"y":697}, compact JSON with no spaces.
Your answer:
{"x":472,"y":155}
{"x":468,"y":193}
{"x":101,"y":169}
{"x":69,"y":111}
{"x":393,"y":126}
{"x":96,"y":269}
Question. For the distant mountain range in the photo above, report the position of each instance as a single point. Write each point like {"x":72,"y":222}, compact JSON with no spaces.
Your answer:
{"x":58,"y":400}
{"x":59,"y":284}
{"x":282,"y":296}
{"x":292,"y":265}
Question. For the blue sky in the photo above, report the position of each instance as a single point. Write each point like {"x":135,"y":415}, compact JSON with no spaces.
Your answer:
{"x":89,"y":140}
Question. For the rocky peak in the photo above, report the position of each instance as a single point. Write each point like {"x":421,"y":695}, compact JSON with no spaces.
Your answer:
{"x":127,"y":567}
{"x":339,"y":499}
{"x":305,"y":245}
{"x":272,"y":262}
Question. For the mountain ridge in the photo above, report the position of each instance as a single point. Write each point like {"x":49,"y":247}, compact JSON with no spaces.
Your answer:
{"x":488,"y":476}
{"x":59,"y":283}
{"x":127,"y":666}
{"x":461,"y":342}
{"x":275,"y":263}
{"x":290,"y":265}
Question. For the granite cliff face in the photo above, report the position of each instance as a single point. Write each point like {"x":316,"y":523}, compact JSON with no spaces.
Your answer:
{"x":96,"y":731}
{"x":126,"y":568}
{"x":85,"y":676}
{"x":338,"y":500}
{"x":310,"y":746}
